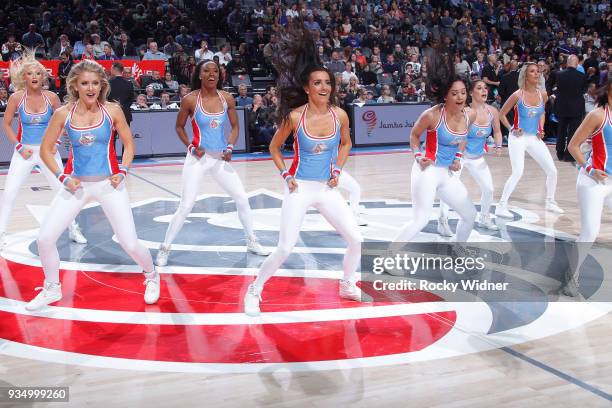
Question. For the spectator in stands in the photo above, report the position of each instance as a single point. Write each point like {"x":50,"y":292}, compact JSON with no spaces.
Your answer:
{"x":348,"y":74}
{"x":462,"y":67}
{"x":141,"y":103}
{"x":215,"y":6}
{"x":336,"y":64}
{"x":32,"y":39}
{"x":153,"y":53}
{"x":11,"y":49}
{"x":243,"y":99}
{"x":407,"y":93}
{"x":98,"y":45}
{"x":64,"y":68}
{"x":187,"y":68}
{"x":270,"y":93}
{"x":311,"y":24}
{"x":169,"y":82}
{"x":183,"y":91}
{"x":391,"y":66}
{"x":224,"y":54}
{"x":109,"y":54}
{"x":353,"y":86}
{"x":479,"y":64}
{"x":385,"y":95}
{"x":490,"y":77}
{"x":237,"y":66}
{"x":185,"y":39}
{"x":150,"y":95}
{"x":125,"y":48}
{"x":127,"y":75}
{"x":171,"y":46}
{"x":590,"y":97}
{"x":61,"y":45}
{"x":203,"y":53}
{"x":165,"y":103}
{"x":3,"y":99}
{"x":88,"y":53}
{"x":154,"y":81}
{"x":261,"y":126}
{"x":361,"y":97}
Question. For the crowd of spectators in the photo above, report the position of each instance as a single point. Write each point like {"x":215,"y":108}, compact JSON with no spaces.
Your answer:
{"x":377,"y":50}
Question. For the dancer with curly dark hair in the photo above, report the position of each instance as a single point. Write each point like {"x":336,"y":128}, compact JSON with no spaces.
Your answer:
{"x":322,"y":144}
{"x":447,"y":125}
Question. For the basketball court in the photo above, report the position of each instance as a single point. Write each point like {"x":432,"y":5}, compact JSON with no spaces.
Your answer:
{"x":196,"y":347}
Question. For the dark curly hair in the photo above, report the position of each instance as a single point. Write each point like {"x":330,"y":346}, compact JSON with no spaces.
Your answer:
{"x":440,"y":75}
{"x":602,"y":98}
{"x":295,"y":59}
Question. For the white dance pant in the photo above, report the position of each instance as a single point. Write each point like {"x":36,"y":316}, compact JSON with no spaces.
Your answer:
{"x":332,"y":207}
{"x":66,"y":205}
{"x":425,"y":184}
{"x":479,"y":170}
{"x":517,"y":145}
{"x":19,"y":170}
{"x":592,"y":196}
{"x":225,"y":175}
{"x":347,"y":183}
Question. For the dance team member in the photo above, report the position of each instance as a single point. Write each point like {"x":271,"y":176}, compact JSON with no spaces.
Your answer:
{"x":526,"y":134}
{"x":208,"y":154}
{"x":486,"y":123}
{"x":593,"y":187}
{"x":91,"y":174}
{"x":447,"y":124}
{"x":322,"y":145}
{"x":34,"y":107}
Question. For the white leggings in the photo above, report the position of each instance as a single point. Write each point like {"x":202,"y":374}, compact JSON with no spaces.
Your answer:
{"x":225,"y":175}
{"x":424,"y":186}
{"x":591,"y":199}
{"x":479,"y":170}
{"x":536,"y":149}
{"x":66,"y":205}
{"x":347,"y":183}
{"x":19,"y":171}
{"x":332,"y":207}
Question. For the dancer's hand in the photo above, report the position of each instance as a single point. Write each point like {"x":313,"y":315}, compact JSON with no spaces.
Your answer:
{"x":456,"y":166}
{"x":26,"y":153}
{"x":72,"y":184}
{"x":517,"y":132}
{"x":292,"y":184}
{"x":599,"y":175}
{"x":333,"y":181}
{"x":540,"y":135}
{"x":196,"y":151}
{"x":425,"y":162}
{"x":498,"y":151}
{"x":116,"y":179}
{"x":226,"y":155}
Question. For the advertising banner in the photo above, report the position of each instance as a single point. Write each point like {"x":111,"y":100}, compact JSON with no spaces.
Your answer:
{"x":385,"y":124}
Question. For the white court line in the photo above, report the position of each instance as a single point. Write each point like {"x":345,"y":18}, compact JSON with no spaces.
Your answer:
{"x":209,"y":319}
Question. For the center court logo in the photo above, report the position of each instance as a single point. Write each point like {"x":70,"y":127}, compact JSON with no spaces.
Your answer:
{"x":369,"y":117}
{"x":198,"y":324}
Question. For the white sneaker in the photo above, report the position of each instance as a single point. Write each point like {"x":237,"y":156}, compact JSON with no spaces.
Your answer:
{"x":75,"y":234}
{"x":361,"y":219}
{"x":162,"y":255}
{"x":255,"y":247}
{"x":350,"y":290}
{"x":502,"y":210}
{"x":151,"y":294}
{"x":552,"y":206}
{"x":251,"y":300}
{"x":486,"y":222}
{"x":50,"y":292}
{"x":444,"y":228}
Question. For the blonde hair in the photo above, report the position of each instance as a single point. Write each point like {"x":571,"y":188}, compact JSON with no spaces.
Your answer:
{"x":523,"y":74}
{"x":78,"y":69}
{"x":21,"y":65}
